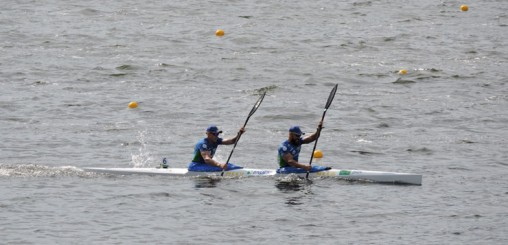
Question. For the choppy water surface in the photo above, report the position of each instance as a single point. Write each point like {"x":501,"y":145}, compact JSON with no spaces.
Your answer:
{"x":69,"y":69}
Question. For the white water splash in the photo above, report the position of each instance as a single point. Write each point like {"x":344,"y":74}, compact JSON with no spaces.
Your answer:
{"x":143,"y":158}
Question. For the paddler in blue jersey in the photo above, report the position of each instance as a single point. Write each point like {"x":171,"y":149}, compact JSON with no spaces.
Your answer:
{"x":205,"y":150}
{"x":289,"y":151}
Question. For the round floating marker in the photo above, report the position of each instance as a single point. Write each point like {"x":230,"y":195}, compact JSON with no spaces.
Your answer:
{"x":318,"y":154}
{"x":464,"y":7}
{"x":133,"y":104}
{"x":403,"y":72}
{"x":219,"y":33}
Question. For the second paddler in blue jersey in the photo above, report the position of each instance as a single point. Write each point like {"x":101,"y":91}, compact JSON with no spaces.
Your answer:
{"x":289,"y":151}
{"x":205,"y":150}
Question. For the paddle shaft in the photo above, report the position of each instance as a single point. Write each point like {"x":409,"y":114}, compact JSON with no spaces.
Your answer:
{"x":315,"y":144}
{"x":254,"y":108}
{"x":328,"y":103}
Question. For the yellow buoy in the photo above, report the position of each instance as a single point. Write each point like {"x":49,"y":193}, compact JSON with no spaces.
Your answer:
{"x":219,"y":33}
{"x":464,"y":7}
{"x":403,"y":72}
{"x":133,"y":104}
{"x":318,"y":154}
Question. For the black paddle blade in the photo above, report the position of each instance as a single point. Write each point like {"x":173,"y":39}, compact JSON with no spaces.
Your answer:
{"x":258,"y":103}
{"x":331,"y":96}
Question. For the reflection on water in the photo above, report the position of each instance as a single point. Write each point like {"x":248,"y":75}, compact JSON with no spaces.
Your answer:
{"x":206,"y":182}
{"x":293,"y":184}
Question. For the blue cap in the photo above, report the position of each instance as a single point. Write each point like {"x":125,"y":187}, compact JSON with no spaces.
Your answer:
{"x":213,"y":129}
{"x":296,"y":130}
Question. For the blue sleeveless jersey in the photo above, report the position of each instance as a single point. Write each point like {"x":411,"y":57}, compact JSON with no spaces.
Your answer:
{"x":287,"y":147}
{"x":205,"y":145}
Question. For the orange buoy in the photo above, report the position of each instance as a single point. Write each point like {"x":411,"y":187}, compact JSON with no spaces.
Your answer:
{"x":133,"y":104}
{"x":219,"y":33}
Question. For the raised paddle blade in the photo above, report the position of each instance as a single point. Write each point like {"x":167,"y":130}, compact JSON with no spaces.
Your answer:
{"x":331,"y":96}
{"x":254,"y":109}
{"x":328,"y":103}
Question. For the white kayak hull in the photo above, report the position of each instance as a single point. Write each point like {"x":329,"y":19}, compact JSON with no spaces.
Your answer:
{"x":374,"y":176}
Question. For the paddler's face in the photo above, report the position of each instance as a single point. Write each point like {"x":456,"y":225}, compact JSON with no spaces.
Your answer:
{"x":293,"y":138}
{"x":212,"y":136}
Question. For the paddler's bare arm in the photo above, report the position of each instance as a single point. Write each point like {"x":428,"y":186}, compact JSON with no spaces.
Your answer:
{"x":289,"y":159}
{"x":208,"y":160}
{"x":233,"y":140}
{"x":313,"y":136}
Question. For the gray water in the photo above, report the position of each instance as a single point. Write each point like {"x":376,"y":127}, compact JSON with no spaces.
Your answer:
{"x":68,"y":70}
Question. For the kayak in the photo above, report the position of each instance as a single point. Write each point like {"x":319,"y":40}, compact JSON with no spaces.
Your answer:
{"x":365,"y":175}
